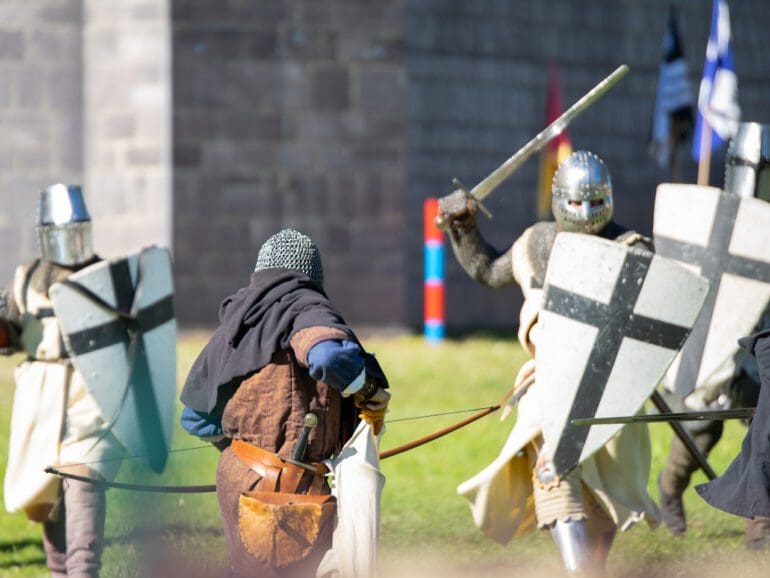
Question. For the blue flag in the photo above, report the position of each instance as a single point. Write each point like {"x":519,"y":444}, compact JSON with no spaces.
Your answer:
{"x":718,"y":96}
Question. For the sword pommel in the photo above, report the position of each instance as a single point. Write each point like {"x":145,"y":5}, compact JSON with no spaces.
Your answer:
{"x":310,"y":421}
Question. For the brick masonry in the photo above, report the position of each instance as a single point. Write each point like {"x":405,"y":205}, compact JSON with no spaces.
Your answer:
{"x":211,"y":124}
{"x":40,"y":114}
{"x":127,"y":122}
{"x":290,"y":114}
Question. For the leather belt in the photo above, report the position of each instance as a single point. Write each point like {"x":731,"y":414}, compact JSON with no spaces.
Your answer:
{"x":277,"y":475}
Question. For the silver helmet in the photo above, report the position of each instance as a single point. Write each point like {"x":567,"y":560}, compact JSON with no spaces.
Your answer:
{"x":290,"y":249}
{"x":64,"y":225}
{"x":747,"y":166}
{"x":582,"y":194}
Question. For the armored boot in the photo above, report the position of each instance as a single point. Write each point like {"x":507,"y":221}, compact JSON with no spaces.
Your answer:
{"x":577,"y":552}
{"x":675,"y":477}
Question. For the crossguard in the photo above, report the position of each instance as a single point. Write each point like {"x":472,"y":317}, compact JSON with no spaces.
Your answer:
{"x":468,"y":195}
{"x":443,"y":219}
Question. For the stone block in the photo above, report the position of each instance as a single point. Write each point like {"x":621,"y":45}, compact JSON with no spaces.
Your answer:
{"x":60,"y":11}
{"x":329,"y":88}
{"x":54,"y":45}
{"x":143,"y":156}
{"x":261,"y":44}
{"x":11,"y":45}
{"x":186,"y":155}
{"x":382,"y":89}
{"x":205,"y":43}
{"x":306,"y":43}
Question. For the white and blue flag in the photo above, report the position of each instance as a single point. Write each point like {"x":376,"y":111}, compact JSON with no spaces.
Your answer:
{"x":718,"y":96}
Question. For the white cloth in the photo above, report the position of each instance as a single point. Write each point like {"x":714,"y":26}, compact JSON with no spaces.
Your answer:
{"x":45,"y":432}
{"x":357,"y":486}
{"x":502,"y":497}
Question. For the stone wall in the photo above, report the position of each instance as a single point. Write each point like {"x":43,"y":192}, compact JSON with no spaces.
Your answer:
{"x":337,"y":118}
{"x":40,"y":115}
{"x":290,"y":114}
{"x":127,"y":122}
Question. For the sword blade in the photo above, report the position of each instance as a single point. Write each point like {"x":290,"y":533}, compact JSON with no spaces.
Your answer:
{"x":716,"y":415}
{"x":491,"y":182}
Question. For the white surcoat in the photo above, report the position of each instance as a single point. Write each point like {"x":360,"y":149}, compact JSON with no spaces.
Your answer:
{"x":502,"y":496}
{"x":55,"y":419}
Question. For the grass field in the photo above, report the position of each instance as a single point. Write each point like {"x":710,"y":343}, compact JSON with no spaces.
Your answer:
{"x":426,"y":529}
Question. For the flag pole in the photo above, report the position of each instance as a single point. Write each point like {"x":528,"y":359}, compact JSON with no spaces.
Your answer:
{"x":674,"y":160}
{"x":704,"y":164}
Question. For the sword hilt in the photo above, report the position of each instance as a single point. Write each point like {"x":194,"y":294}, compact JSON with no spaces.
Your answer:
{"x":300,"y":447}
{"x":468,"y":195}
{"x":442,"y":221}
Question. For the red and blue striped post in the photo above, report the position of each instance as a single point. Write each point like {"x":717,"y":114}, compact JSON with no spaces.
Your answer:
{"x":434,"y":273}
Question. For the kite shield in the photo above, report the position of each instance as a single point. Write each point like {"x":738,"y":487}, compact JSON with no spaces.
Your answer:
{"x":613,"y":319}
{"x":117,"y":321}
{"x":724,"y":238}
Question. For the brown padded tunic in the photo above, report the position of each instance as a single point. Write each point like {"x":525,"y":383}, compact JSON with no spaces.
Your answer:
{"x":267,"y":410}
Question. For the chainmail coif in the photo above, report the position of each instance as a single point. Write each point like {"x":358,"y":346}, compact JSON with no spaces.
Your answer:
{"x":290,"y":249}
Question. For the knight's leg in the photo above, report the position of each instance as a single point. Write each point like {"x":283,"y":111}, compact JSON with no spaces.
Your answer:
{"x":560,"y":508}
{"x":758,"y":533}
{"x":55,"y":544}
{"x":675,"y":477}
{"x":85,"y":514}
{"x":601,"y":532}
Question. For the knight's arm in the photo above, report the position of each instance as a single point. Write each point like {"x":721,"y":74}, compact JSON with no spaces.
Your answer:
{"x":481,"y":260}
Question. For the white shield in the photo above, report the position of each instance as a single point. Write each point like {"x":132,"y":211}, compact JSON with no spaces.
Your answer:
{"x":725,"y":238}
{"x":117,"y":321}
{"x":613,"y":319}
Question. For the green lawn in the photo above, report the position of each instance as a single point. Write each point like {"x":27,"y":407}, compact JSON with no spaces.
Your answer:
{"x":425,"y":526}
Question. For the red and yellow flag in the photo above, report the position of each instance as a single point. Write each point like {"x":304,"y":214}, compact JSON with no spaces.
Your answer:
{"x":555,"y":151}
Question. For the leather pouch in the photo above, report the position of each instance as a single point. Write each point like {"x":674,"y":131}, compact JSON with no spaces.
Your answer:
{"x":281,"y":529}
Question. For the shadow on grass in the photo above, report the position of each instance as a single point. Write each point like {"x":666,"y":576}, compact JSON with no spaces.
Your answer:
{"x":36,"y":561}
{"x":22,"y":543}
{"x":18,"y":559}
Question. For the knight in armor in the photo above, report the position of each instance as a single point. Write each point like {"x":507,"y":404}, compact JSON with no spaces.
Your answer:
{"x":747,"y":174}
{"x":608,"y":490}
{"x":281,"y":354}
{"x":55,"y":419}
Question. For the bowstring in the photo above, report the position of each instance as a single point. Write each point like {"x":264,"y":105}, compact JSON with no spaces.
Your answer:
{"x":179,"y":450}
{"x":136,"y":457}
{"x":416,"y":417}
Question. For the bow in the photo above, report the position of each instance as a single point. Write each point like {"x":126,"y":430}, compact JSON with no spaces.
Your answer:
{"x":440,"y":433}
{"x":133,"y":487}
{"x":208,"y":488}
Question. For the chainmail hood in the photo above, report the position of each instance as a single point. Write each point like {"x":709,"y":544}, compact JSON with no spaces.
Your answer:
{"x":290,"y":249}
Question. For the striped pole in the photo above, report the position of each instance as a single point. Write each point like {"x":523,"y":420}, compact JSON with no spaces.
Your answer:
{"x":434,"y":273}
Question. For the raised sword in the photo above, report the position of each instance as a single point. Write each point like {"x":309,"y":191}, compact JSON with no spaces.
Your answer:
{"x":496,"y":177}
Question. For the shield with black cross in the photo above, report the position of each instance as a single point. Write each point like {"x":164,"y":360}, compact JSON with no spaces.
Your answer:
{"x":725,"y":238}
{"x":612,"y":320}
{"x":117,"y":321}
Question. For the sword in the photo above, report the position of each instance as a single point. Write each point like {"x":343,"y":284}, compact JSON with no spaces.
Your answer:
{"x":673,"y":420}
{"x":716,"y":415}
{"x":300,"y":448}
{"x":496,"y":177}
